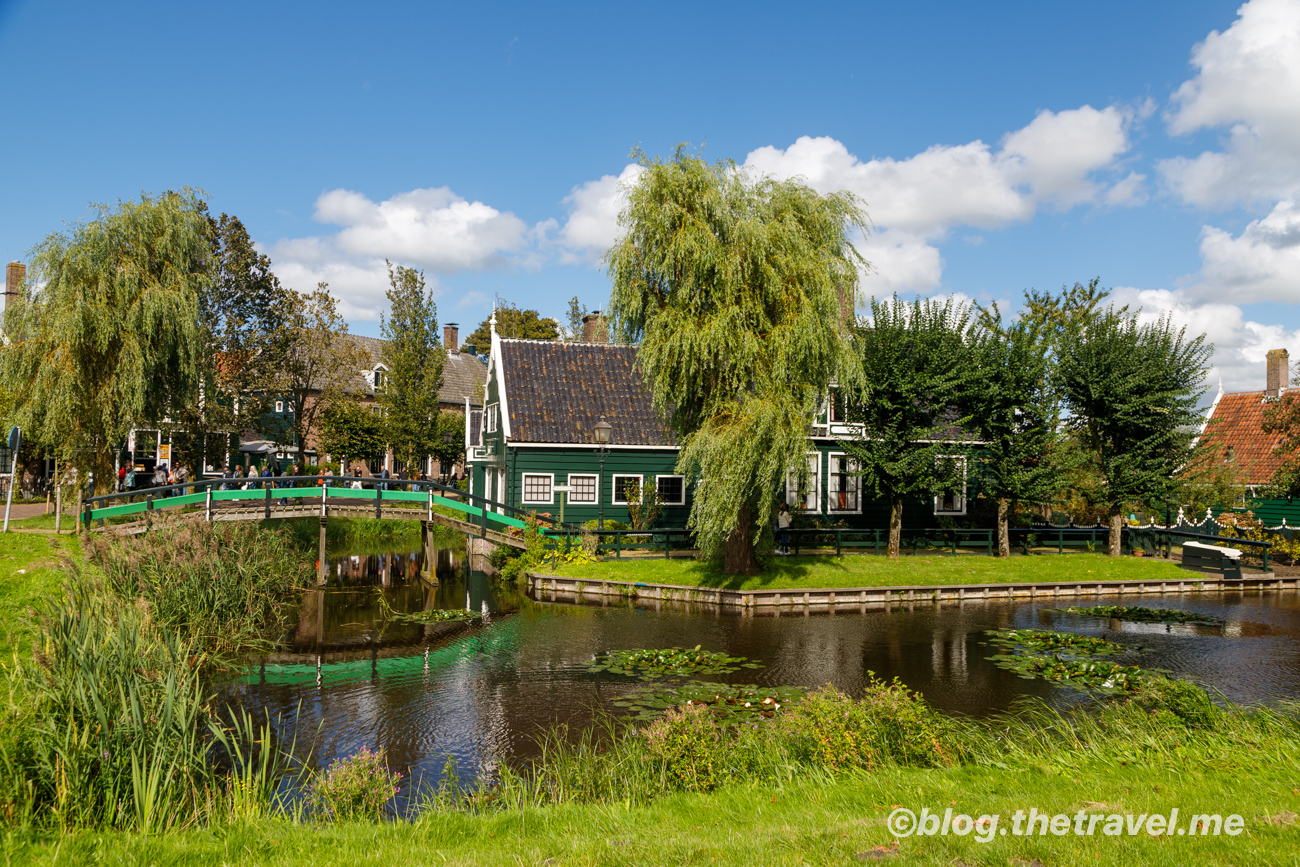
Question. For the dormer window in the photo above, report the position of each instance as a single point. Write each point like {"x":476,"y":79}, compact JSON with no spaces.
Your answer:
{"x":381,"y":378}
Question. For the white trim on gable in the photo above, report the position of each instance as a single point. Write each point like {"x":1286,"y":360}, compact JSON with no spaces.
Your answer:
{"x":502,"y":398}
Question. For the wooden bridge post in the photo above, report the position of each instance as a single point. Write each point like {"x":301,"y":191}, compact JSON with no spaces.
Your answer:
{"x":207,"y":506}
{"x":321,"y":566}
{"x":268,"y":502}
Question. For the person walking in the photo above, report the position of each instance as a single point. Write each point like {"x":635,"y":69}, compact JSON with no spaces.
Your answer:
{"x":129,"y":484}
{"x":121,"y":479}
{"x":783,"y":518}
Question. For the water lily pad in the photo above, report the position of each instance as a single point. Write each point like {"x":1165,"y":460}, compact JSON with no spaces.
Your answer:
{"x":654,"y":663}
{"x":1144,"y":615}
{"x":729,"y":702}
{"x":1065,"y":658}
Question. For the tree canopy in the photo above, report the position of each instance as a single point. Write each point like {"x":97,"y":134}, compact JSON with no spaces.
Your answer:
{"x":739,"y":289}
{"x":111,"y":339}
{"x":1132,"y":391}
{"x":914,"y":369}
{"x":513,"y":322}
{"x":415,"y":358}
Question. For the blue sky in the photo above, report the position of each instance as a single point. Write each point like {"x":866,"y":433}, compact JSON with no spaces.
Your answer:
{"x":998,"y":147}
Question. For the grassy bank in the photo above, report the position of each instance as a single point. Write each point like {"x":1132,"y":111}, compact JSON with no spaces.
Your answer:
{"x":810,"y":820}
{"x":30,"y":574}
{"x":866,"y":570}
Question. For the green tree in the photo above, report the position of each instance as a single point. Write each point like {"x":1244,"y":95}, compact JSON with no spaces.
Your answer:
{"x":516,"y":323}
{"x":1012,"y":408}
{"x":915,"y":367}
{"x":415,"y":360}
{"x":241,"y":317}
{"x":111,"y":338}
{"x":739,"y":289}
{"x":1131,"y":391}
{"x":351,"y":432}
{"x":449,"y":441}
{"x":321,"y":365}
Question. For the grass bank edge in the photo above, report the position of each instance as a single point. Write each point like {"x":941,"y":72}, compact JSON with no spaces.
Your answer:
{"x":865,"y":570}
{"x":818,"y":820}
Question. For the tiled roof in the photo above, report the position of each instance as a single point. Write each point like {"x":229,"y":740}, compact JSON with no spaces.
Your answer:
{"x":462,"y":374}
{"x":1237,"y":424}
{"x":557,"y":392}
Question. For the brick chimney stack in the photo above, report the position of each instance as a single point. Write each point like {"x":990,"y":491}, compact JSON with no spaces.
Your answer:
{"x":451,"y":337}
{"x":594,"y":329}
{"x":1279,"y":372}
{"x":15,"y":273}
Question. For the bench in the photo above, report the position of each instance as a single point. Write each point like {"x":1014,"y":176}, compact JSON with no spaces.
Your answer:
{"x":1200,"y":557}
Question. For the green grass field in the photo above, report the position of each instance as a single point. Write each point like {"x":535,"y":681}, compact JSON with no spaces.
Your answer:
{"x":867,"y":570}
{"x":812,"y":820}
{"x":29,"y":572}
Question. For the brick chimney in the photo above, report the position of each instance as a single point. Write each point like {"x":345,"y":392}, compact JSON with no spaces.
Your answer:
{"x":1279,"y":372}
{"x":451,"y":337}
{"x":594,"y":329}
{"x":15,"y":273}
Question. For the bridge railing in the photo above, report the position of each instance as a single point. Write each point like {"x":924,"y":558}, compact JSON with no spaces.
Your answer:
{"x":216,"y":494}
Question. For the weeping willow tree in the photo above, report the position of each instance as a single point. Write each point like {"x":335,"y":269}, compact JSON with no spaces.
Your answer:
{"x":105,"y":336}
{"x":739,"y":289}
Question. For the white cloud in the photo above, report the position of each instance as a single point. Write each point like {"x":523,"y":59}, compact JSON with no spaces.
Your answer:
{"x":916,"y":201}
{"x":592,"y":225}
{"x":1248,"y":80}
{"x":432,"y":229}
{"x":1239,"y":343}
{"x":1260,"y":264}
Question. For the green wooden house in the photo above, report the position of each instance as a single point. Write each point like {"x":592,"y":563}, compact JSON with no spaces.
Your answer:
{"x":537,"y":434}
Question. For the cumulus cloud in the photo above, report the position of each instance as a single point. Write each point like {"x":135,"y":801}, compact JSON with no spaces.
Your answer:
{"x":1248,"y":80}
{"x":900,"y":263}
{"x":432,"y":229}
{"x":592,"y":224}
{"x":1239,"y":343}
{"x":1260,"y":264}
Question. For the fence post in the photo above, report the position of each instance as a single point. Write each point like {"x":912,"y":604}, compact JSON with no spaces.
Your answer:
{"x":379,"y":501}
{"x":989,"y":533}
{"x":954,"y":541}
{"x":268,"y":502}
{"x":839,"y":543}
{"x":430,"y":491}
{"x":668,"y":553}
{"x":618,"y":545}
{"x":1266,"y":559}
{"x":875,"y":549}
{"x":1060,"y":541}
{"x":207,"y":504}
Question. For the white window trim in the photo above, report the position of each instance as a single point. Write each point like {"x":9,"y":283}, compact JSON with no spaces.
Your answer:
{"x":938,"y":501}
{"x":279,"y":406}
{"x":595,"y":478}
{"x":492,"y":418}
{"x":830,"y":508}
{"x":800,"y":502}
{"x":664,"y":502}
{"x":523,"y":488}
{"x":613,"y":486}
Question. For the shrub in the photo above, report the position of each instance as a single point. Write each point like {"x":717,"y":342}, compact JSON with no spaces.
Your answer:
{"x":1186,"y":702}
{"x":689,"y":742}
{"x":889,"y":724}
{"x":357,"y":786}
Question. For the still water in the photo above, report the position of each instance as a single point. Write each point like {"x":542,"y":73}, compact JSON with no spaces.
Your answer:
{"x":479,"y":692}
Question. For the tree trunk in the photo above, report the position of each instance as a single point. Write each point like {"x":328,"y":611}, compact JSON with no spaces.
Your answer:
{"x":738,"y":556}
{"x":1004,"y":531}
{"x":1116,"y":523}
{"x":895,"y":528}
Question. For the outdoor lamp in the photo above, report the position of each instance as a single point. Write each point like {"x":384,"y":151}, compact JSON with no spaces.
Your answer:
{"x":448,"y":438}
{"x":603,"y":429}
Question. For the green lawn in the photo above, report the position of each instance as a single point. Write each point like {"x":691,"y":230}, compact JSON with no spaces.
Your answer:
{"x":808,"y":821}
{"x":29,"y":572}
{"x":868,"y":570}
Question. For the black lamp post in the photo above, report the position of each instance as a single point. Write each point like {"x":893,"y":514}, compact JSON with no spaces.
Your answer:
{"x":603,"y":430}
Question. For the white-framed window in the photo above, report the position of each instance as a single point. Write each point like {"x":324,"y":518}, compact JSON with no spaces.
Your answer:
{"x":953,"y":500}
{"x":537,"y":488}
{"x":843,"y":484}
{"x":376,"y":409}
{"x":381,"y":378}
{"x":492,"y":418}
{"x":809,"y":496}
{"x":672,"y":490}
{"x":279,"y":406}
{"x":835,"y":409}
{"x":582,"y":488}
{"x":620,"y":488}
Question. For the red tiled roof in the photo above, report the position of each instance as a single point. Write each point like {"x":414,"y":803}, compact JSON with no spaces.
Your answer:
{"x":1236,"y":423}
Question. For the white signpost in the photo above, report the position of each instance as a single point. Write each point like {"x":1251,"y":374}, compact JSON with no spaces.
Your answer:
{"x":15,"y":439}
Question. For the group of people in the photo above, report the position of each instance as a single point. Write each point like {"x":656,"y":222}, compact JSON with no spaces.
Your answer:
{"x":128,"y":479}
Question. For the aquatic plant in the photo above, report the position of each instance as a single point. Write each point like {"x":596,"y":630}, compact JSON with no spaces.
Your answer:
{"x":1143,"y":615}
{"x":432,"y":615}
{"x":728,"y":702}
{"x":1065,"y":658}
{"x":356,"y":786}
{"x":652,"y":663}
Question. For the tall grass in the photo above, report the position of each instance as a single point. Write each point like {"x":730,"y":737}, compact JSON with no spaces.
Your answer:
{"x":111,"y":724}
